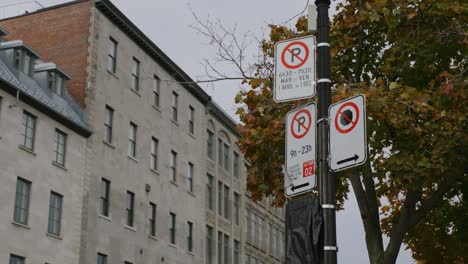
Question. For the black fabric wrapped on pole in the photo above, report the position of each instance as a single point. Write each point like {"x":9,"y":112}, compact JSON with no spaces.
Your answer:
{"x":303,"y":230}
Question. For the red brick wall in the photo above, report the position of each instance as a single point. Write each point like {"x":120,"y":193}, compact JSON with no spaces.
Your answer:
{"x":59,"y":35}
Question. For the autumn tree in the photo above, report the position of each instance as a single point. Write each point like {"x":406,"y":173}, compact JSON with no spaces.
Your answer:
{"x":409,"y":59}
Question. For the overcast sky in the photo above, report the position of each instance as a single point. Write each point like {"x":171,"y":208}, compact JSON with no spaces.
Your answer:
{"x":168,"y":24}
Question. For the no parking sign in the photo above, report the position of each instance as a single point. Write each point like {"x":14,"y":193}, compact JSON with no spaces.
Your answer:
{"x":294,"y":69}
{"x":300,"y":150}
{"x":348,"y":144}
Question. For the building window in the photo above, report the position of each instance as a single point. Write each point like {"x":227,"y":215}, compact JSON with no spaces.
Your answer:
{"x":226,"y":157}
{"x":220,"y":247}
{"x":154,"y":154}
{"x":29,"y":130}
{"x":60,"y":147}
{"x":250,"y":226}
{"x":135,"y":85}
{"x":220,"y":198}
{"x":236,"y":165}
{"x":226,"y":249}
{"x":23,"y":191}
{"x":210,"y":193}
{"x":175,"y":103}
{"x":210,"y":145}
{"x":191,"y":119}
{"x":236,"y":252}
{"x":55,"y":82}
{"x":105,"y":197}
{"x":227,"y":214}
{"x":220,"y":153}
{"x":101,"y":258}
{"x":236,"y":208}
{"x":173,"y":166}
{"x":24,"y":61}
{"x":190,"y":177}
{"x":156,"y":90}
{"x":152,"y":219}
{"x":130,"y":208}
{"x":209,"y":245}
{"x":172,"y":228}
{"x":112,"y":55}
{"x":132,"y":134}
{"x":108,"y":120}
{"x":190,"y":237}
{"x":14,"y":259}
{"x":260,"y":232}
{"x":55,"y":213}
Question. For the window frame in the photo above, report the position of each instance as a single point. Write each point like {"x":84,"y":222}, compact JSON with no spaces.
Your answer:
{"x":19,"y":61}
{"x":236,"y":167}
{"x":226,"y":249}
{"x":237,"y":204}
{"x":132,"y":140}
{"x":226,"y":193}
{"x":209,"y":244}
{"x":173,"y":166}
{"x":156,"y":91}
{"x":175,"y":106}
{"x":112,"y":58}
{"x":108,"y":124}
{"x":21,"y":209}
{"x":27,"y":120}
{"x":103,"y":257}
{"x":210,"y":193}
{"x":190,"y":236}
{"x":191,"y":120}
{"x":211,"y":144}
{"x":226,"y":156}
{"x":154,"y":153}
{"x":152,"y":219}
{"x":190,"y":177}
{"x":59,"y":158}
{"x":172,"y":228}
{"x":55,"y":217}
{"x":135,"y":78}
{"x":220,"y":198}
{"x":130,"y":209}
{"x":104,"y":202}
{"x":15,"y":259}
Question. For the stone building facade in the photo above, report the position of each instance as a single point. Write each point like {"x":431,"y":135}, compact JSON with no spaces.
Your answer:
{"x":42,"y":156}
{"x":164,"y":179}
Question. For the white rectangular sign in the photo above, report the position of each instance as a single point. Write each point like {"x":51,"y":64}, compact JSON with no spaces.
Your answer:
{"x":294,"y":69}
{"x":300,"y":165}
{"x":348,"y":140}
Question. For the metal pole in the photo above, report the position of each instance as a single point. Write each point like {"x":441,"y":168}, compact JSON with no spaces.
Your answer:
{"x":327,"y":183}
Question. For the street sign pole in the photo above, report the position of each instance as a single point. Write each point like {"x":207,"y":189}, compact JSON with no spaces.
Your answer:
{"x":327,"y":183}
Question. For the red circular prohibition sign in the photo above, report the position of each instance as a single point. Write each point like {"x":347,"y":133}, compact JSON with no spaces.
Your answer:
{"x":306,"y":129}
{"x":344,"y":131}
{"x":302,"y":60}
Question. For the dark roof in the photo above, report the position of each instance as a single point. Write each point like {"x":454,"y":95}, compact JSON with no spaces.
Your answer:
{"x":132,"y":31}
{"x":63,"y":109}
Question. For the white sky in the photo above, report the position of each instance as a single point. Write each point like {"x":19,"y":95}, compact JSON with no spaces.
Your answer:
{"x":168,"y":24}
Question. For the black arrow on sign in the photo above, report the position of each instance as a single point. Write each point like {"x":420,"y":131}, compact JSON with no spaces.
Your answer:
{"x":356,"y":157}
{"x":299,"y":186}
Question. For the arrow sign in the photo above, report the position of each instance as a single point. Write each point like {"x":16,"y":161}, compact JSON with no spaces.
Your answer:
{"x":348,"y":140}
{"x":356,"y":157}
{"x":293,"y":188}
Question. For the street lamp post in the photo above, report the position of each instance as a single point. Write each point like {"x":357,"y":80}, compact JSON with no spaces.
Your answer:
{"x":327,"y":182}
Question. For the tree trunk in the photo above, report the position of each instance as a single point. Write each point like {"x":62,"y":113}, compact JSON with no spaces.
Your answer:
{"x":370,"y":221}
